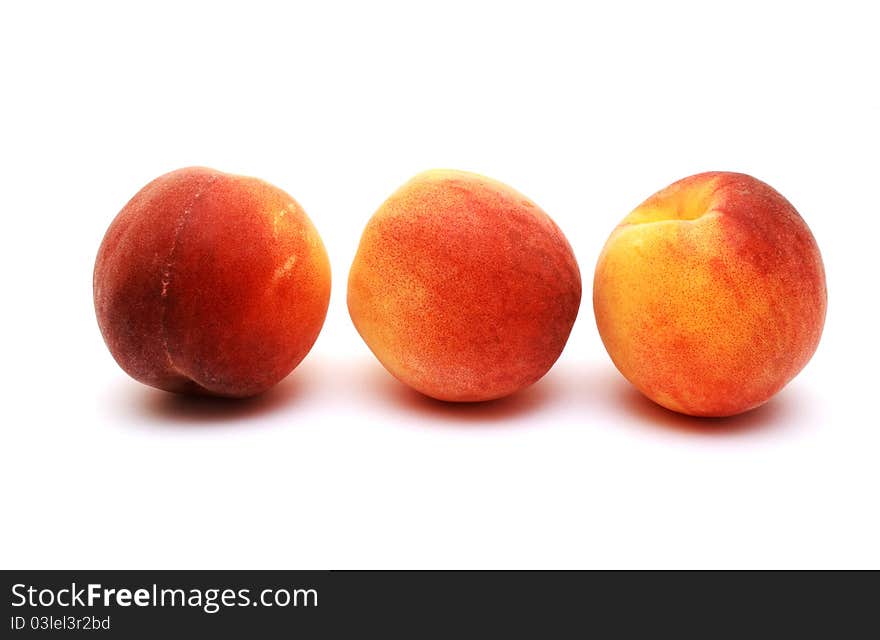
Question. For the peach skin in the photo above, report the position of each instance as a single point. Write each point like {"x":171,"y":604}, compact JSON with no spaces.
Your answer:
{"x":211,"y":283}
{"x":463,"y":288}
{"x":710,"y":296}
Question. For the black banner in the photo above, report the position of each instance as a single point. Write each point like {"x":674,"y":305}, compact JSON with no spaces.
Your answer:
{"x":285,"y":604}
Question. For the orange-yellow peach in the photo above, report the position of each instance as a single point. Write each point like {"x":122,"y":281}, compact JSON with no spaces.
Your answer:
{"x":710,"y":296}
{"x":463,"y":288}
{"x":211,"y":283}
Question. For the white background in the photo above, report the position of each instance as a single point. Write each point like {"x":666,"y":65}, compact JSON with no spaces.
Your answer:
{"x":587,"y":111}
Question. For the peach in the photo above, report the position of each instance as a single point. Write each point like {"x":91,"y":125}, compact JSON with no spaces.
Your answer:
{"x":463,"y":288}
{"x":211,"y":283}
{"x":710,"y":296}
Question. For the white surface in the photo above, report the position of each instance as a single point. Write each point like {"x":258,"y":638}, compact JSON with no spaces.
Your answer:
{"x":587,"y":111}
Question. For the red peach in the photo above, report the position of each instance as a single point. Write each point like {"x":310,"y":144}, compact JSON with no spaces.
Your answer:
{"x":463,"y":288}
{"x":211,"y":283}
{"x":710,"y":296}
